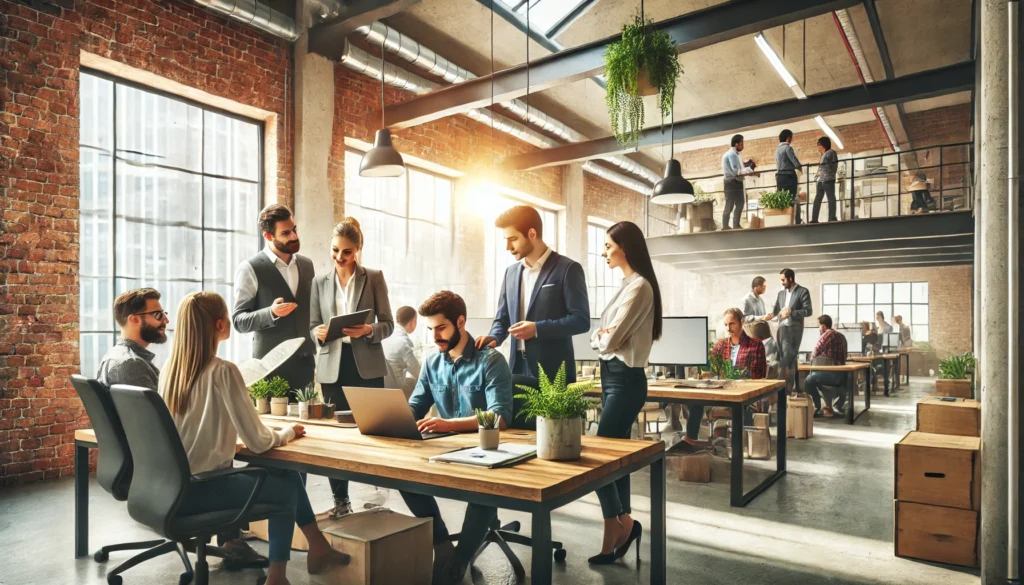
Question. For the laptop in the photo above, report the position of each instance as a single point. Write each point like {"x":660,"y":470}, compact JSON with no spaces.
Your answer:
{"x":385,"y":412}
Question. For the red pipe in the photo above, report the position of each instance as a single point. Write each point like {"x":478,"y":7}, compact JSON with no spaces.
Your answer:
{"x":860,"y":74}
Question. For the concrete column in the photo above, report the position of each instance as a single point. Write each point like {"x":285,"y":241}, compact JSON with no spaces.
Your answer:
{"x":575,"y":214}
{"x":314,"y":129}
{"x":994,"y":289}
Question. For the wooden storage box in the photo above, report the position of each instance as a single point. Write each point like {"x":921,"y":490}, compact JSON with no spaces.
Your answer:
{"x":954,"y":388}
{"x":940,"y":470}
{"x":935,"y":533}
{"x":800,"y":418}
{"x":949,"y":416}
{"x":693,"y":468}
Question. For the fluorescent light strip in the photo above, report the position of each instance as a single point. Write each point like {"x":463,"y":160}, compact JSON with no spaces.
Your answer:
{"x":775,"y":61}
{"x":828,"y":130}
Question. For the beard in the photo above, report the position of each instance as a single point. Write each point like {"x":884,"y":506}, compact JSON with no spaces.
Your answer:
{"x":452,"y":342}
{"x":288,"y":247}
{"x":524,"y":251}
{"x":152,"y":334}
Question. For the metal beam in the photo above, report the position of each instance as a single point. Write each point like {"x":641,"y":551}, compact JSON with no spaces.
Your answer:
{"x":328,"y":39}
{"x":883,"y":52}
{"x":832,"y":267}
{"x":688,"y":32}
{"x":837,"y":253}
{"x":932,"y":83}
{"x":802,"y":265}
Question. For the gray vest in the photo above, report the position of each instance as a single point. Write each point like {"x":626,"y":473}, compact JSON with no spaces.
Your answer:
{"x":270,"y":285}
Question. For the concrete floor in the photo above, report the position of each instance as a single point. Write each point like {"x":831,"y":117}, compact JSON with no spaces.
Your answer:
{"x":829,"y":520}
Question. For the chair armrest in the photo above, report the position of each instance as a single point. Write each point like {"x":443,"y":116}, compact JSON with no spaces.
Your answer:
{"x":258,"y":472}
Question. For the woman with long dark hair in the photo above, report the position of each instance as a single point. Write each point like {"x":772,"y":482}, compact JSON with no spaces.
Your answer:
{"x":629,"y":326}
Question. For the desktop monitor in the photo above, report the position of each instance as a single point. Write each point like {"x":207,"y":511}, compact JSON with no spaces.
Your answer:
{"x":684,"y":342}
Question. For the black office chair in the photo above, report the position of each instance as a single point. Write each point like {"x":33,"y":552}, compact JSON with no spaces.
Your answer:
{"x":114,"y":466}
{"x":509,"y":533}
{"x":162,"y":479}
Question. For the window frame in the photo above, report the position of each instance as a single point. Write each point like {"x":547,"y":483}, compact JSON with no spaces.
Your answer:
{"x":908,"y":319}
{"x":593,"y":287}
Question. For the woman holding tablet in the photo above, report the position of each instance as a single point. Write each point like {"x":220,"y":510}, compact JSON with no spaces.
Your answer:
{"x":357,"y":359}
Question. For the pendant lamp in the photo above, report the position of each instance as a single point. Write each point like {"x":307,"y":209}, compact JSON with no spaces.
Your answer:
{"x":673,"y":189}
{"x":382,"y":160}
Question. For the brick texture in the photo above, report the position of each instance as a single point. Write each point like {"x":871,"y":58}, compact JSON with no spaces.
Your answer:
{"x":39,"y":122}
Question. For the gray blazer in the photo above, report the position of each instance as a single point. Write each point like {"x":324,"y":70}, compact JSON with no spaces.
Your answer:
{"x":372,"y":294}
{"x":799,"y":306}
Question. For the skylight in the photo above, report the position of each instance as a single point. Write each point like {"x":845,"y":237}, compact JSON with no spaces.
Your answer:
{"x":545,"y":15}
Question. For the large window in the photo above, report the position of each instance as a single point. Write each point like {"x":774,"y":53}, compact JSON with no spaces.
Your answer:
{"x":602,"y":281}
{"x":169,"y":196}
{"x":501,"y":258}
{"x":850,"y":304}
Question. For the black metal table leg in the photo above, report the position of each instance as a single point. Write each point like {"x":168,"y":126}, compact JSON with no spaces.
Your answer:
{"x":659,"y":537}
{"x":851,"y":380}
{"x":81,"y":501}
{"x":540,"y":564}
{"x":781,"y":432}
{"x":736,"y":483}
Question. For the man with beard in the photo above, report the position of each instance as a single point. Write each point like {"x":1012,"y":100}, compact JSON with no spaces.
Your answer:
{"x":457,"y":380}
{"x":143,"y":321}
{"x":543,"y":300}
{"x":272,"y":291}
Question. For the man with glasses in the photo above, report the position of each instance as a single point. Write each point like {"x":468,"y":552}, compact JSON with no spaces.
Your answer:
{"x":143,"y":321}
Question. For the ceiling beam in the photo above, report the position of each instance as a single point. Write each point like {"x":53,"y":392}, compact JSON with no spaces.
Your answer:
{"x":688,"y":32}
{"x":932,"y":83}
{"x":328,"y":39}
{"x":953,"y":260}
{"x":830,"y":254}
{"x":883,"y":52}
{"x":799,"y":266}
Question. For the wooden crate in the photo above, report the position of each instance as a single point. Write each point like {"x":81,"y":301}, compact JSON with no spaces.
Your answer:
{"x":954,"y":388}
{"x":375,"y":540}
{"x":940,"y":470}
{"x":949,"y":416}
{"x":800,"y":418}
{"x":936,"y":533}
{"x":692,"y":467}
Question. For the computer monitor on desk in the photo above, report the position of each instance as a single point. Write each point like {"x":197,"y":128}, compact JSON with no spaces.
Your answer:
{"x":684,"y":342}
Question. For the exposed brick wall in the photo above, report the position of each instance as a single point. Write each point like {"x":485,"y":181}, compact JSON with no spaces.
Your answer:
{"x":613,"y":203}
{"x":947,"y":125}
{"x":39,"y":122}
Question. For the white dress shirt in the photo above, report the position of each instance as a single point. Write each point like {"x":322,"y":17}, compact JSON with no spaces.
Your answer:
{"x":789,"y":296}
{"x":245,"y":277}
{"x":630,"y":317}
{"x":344,"y":303}
{"x":526,"y":286}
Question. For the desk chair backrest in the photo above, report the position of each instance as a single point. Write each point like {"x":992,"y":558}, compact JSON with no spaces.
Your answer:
{"x":518,"y":422}
{"x":114,"y":467}
{"x":161,"y":467}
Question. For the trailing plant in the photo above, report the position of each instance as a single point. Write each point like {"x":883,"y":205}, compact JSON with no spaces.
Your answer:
{"x":776,"y":200}
{"x":307,"y":394}
{"x":957,"y":367}
{"x":641,"y":47}
{"x":554,"y":399}
{"x":276,"y":387}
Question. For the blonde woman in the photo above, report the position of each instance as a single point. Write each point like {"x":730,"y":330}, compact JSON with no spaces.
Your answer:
{"x":211,"y":408}
{"x":358,"y":358}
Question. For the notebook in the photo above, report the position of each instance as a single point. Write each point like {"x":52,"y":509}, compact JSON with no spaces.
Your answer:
{"x":505,"y":454}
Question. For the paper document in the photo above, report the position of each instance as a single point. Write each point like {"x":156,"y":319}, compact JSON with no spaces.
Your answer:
{"x":505,"y":454}
{"x":699,"y":384}
{"x":339,"y":322}
{"x":254,"y":370}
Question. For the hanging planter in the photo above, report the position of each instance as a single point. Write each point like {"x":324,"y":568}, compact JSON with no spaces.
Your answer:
{"x":644,"y":62}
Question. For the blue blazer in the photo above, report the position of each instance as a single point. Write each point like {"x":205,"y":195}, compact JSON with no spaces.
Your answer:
{"x":560,"y":308}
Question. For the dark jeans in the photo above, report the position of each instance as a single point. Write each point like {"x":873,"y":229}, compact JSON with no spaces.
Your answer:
{"x":734,"y":203}
{"x":623,"y":393}
{"x":819,"y":381}
{"x":348,"y":375}
{"x":693,"y":418}
{"x":825,"y":190}
{"x":475,"y":524}
{"x":788,"y":182}
{"x":789,"y":345}
{"x":283,"y":488}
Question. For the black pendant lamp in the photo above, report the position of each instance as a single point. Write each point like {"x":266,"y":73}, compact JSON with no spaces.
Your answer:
{"x":673,"y":189}
{"x":382,"y":160}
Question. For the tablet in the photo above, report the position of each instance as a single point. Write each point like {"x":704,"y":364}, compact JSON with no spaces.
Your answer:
{"x":342,"y":321}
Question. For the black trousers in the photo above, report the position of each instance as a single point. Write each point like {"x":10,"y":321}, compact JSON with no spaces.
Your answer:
{"x":825,"y":190}
{"x":348,"y":375}
{"x":623,"y":393}
{"x":788,"y":182}
{"x":735,"y":200}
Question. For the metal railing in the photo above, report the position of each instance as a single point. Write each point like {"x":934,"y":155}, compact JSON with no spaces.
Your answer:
{"x":866,"y":186}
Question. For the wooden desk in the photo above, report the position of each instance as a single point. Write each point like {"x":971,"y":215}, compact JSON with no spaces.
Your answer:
{"x":534,"y":486}
{"x":736,"y":395}
{"x":851,"y":368}
{"x":886,"y":359}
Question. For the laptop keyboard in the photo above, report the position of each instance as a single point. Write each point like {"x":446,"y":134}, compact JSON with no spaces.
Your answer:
{"x":427,"y":436}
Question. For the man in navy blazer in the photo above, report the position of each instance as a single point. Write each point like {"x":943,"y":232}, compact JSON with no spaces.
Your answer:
{"x":543,"y":300}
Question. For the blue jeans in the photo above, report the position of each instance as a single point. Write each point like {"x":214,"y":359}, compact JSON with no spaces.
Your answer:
{"x":283,"y":488}
{"x":818,"y":380}
{"x":475,"y":524}
{"x":623,"y":393}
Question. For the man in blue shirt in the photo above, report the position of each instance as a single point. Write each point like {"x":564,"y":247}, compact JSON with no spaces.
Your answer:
{"x":457,"y":380}
{"x":733,"y":171}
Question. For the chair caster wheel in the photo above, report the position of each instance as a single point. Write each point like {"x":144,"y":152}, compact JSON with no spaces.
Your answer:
{"x":113,"y":579}
{"x":560,"y":555}
{"x":185,"y":578}
{"x":100,"y":556}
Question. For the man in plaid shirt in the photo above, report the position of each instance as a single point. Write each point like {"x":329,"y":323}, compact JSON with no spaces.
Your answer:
{"x":831,"y":346}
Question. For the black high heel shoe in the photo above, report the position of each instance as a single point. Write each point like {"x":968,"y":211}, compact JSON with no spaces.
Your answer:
{"x":603,"y":559}
{"x":636,"y":534}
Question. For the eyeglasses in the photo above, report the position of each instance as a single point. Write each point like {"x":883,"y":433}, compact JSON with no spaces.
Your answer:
{"x":158,"y":315}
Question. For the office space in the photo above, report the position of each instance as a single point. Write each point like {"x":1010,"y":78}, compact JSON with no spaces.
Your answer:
{"x":460,"y":145}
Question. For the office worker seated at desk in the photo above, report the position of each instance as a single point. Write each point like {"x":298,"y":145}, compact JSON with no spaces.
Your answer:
{"x":142,"y":321}
{"x":400,"y":352}
{"x":742,"y":351}
{"x":211,"y":407}
{"x":831,"y":347}
{"x":457,"y":380}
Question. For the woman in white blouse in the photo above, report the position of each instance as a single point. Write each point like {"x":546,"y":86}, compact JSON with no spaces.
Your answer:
{"x":211,"y":408}
{"x":629,"y":326}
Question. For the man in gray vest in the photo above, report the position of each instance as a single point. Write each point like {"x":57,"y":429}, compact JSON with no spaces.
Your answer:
{"x":272,"y":296}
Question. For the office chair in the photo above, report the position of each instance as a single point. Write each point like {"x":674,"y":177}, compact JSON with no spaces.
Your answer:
{"x":162,"y":479}
{"x":509,"y":533}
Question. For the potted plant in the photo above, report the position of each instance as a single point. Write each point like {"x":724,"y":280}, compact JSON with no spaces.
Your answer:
{"x":260,"y":391}
{"x":278,"y":389}
{"x":777,"y":207}
{"x":306,"y":396}
{"x":328,"y":409}
{"x":316,"y":408}
{"x":955,"y":376}
{"x":559,"y":409}
{"x":643,"y":62}
{"x":487,"y":423}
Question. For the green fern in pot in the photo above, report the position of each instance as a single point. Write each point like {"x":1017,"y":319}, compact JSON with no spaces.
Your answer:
{"x":644,"y":57}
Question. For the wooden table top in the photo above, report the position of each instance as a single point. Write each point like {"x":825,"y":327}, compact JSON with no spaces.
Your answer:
{"x":734,"y":391}
{"x":871,"y":358}
{"x":332,"y":446}
{"x":863,"y":365}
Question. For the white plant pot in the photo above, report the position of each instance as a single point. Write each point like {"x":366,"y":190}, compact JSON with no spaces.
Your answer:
{"x":489,"y":438}
{"x":559,"y":439}
{"x":304,"y":410}
{"x":279,"y":406}
{"x":262,"y":406}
